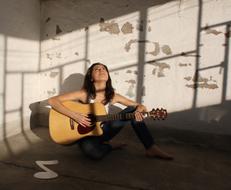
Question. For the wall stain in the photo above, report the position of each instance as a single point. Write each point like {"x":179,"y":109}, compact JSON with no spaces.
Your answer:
{"x":131,"y":81}
{"x":51,"y":92}
{"x":188,"y":78}
{"x":202,"y":85}
{"x":185,"y":64}
{"x":110,"y":27}
{"x":116,"y":73}
{"x":160,"y":69}
{"x":76,"y":53}
{"x":130,"y":72}
{"x":130,"y":93}
{"x":156,"y":50}
{"x":201,"y":82}
{"x":49,"y":56}
{"x":149,"y":29}
{"x":48,"y":19}
{"x":127,"y":28}
{"x":130,"y":42}
{"x":58,"y":55}
{"x":56,"y":38}
{"x":53,"y":74}
{"x":212,"y":31}
{"x":136,"y":72}
{"x":58,"y":29}
{"x":166,"y":50}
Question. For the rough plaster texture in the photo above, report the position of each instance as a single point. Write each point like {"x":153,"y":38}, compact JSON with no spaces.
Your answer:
{"x":152,"y":48}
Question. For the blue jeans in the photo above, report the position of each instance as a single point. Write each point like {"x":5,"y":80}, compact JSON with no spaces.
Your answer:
{"x":95,"y":147}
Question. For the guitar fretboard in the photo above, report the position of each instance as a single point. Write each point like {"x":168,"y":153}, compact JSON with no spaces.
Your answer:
{"x":111,"y":117}
{"x":121,"y":116}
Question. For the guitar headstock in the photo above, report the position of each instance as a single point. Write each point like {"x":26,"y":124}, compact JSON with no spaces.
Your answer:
{"x":158,"y":113}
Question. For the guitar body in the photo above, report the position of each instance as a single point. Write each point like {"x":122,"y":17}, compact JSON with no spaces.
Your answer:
{"x":64,"y":130}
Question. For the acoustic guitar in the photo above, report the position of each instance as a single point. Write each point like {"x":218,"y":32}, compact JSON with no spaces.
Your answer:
{"x":64,"y":130}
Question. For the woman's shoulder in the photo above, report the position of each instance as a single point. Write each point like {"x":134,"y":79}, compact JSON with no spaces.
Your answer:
{"x":80,"y":95}
{"x":116,"y":97}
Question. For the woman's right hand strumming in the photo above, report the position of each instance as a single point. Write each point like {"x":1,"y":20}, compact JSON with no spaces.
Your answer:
{"x":82,"y":119}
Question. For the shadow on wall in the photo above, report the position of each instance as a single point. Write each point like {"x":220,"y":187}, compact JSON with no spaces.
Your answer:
{"x":40,"y":110}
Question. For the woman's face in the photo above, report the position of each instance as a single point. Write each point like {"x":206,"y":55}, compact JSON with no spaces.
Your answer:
{"x":99,"y":73}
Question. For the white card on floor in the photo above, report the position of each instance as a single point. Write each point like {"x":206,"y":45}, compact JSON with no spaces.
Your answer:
{"x":47,"y":173}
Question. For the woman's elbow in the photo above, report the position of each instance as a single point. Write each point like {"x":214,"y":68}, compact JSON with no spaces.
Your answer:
{"x":51,"y":101}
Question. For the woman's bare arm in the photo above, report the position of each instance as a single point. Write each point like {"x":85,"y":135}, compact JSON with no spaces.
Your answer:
{"x":127,"y":102}
{"x":56,"y":103}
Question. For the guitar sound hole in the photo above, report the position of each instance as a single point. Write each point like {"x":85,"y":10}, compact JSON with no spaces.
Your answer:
{"x":83,"y":130}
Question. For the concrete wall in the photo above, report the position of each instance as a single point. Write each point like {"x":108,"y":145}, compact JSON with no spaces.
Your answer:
{"x":152,"y":48}
{"x":19,"y":59}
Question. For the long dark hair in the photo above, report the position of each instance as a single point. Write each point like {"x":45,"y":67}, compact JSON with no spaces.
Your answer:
{"x":88,"y":85}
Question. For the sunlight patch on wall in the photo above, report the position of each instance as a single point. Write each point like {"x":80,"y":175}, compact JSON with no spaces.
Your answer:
{"x":13,"y":92}
{"x":108,"y":39}
{"x":22,"y":54}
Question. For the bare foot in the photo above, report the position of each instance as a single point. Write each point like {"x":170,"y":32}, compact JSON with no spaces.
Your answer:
{"x":156,"y":152}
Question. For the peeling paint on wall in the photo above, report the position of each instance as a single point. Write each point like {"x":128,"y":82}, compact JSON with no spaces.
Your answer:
{"x":110,"y":27}
{"x":201,"y":82}
{"x":188,"y":78}
{"x":166,"y":50}
{"x":127,"y":28}
{"x":130,"y":93}
{"x":212,"y":31}
{"x":128,"y":44}
{"x":51,"y":56}
{"x":160,"y":69}
{"x":130,"y":72}
{"x":156,"y":50}
{"x":202,"y":85}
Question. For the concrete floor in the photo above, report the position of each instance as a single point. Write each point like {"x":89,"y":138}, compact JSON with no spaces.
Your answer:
{"x":194,"y":168}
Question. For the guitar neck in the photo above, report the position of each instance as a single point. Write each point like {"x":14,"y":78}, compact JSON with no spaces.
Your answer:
{"x":120,"y":116}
